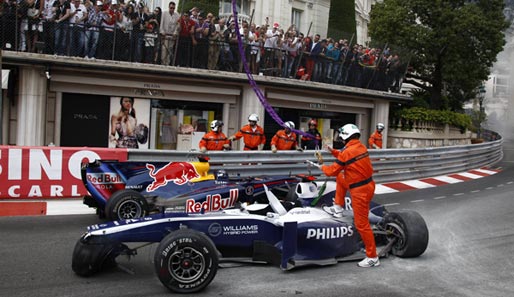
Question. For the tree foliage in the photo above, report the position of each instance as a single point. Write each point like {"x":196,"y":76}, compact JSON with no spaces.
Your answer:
{"x":453,"y":43}
{"x":205,"y":6}
{"x":341,"y":19}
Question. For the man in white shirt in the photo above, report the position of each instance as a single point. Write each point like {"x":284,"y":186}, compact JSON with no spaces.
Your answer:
{"x":77,"y":37}
{"x":168,"y":31}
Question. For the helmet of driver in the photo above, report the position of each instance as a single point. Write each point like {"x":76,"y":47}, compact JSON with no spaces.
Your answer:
{"x":289,"y":124}
{"x":221,"y":175}
{"x":216,"y":125}
{"x":313,"y":122}
{"x":380,"y":126}
{"x":253,"y":118}
{"x":348,"y":130}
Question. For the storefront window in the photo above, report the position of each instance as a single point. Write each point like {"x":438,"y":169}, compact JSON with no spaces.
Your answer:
{"x":179,"y":125}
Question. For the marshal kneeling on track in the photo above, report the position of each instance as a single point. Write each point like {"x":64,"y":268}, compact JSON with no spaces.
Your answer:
{"x":191,"y":245}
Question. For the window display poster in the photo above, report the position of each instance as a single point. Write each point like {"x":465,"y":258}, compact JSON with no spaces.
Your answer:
{"x":129,"y":122}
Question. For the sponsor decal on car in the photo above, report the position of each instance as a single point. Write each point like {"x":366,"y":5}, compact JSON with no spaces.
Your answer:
{"x":214,"y":229}
{"x":213,"y":202}
{"x":329,"y":232}
{"x":104,"y":178}
{"x":177,"y":172}
{"x":240,"y":230}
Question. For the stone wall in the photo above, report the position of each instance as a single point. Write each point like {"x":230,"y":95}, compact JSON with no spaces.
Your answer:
{"x":426,"y":134}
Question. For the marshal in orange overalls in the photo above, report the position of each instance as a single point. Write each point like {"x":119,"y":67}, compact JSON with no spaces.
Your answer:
{"x":251,"y":138}
{"x":284,"y":142}
{"x":357,"y":177}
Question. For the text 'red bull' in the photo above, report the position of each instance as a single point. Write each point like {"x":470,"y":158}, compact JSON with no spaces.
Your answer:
{"x":177,"y":172}
{"x":213,"y":202}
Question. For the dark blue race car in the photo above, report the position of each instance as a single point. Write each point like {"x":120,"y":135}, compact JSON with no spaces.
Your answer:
{"x":128,"y":190}
{"x":284,"y":233}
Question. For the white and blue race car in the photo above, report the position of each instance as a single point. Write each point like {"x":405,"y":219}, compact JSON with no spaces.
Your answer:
{"x":284,"y":233}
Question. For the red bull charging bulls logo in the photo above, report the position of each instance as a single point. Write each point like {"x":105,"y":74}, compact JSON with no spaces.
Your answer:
{"x":177,"y":172}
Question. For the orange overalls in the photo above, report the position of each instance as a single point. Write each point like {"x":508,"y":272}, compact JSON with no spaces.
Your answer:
{"x":213,"y":141}
{"x":375,"y":138}
{"x":357,"y":177}
{"x":283,"y":142}
{"x":251,"y":138}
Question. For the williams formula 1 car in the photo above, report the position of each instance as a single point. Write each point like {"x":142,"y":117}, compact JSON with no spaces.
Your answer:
{"x":284,"y":233}
{"x":128,"y":190}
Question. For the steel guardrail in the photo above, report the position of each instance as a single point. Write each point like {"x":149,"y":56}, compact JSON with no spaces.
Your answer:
{"x":388,"y":164}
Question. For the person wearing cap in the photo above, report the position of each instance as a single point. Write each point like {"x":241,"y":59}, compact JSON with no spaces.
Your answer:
{"x":215,"y":140}
{"x":375,"y":140}
{"x":285,"y":139}
{"x":354,"y":173}
{"x":252,"y":134}
{"x":168,"y":30}
{"x":106,"y":40}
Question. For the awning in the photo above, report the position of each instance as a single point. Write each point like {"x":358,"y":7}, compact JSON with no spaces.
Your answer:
{"x":5,"y":78}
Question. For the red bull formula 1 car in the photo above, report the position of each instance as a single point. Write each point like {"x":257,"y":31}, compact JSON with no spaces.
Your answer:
{"x":128,"y":190}
{"x":192,"y":245}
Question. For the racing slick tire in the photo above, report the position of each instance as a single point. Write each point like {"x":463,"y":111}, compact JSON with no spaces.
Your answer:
{"x":410,"y":231}
{"x":186,"y":261}
{"x":126,"y":204}
{"x":90,"y":257}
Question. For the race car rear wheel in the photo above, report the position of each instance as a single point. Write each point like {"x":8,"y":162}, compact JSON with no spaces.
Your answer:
{"x":186,"y":261}
{"x":409,"y":230}
{"x":126,"y":204}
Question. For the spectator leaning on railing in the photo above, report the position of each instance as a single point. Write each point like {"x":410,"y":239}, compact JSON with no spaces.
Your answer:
{"x":62,"y":15}
{"x":168,"y":30}
{"x":77,"y":35}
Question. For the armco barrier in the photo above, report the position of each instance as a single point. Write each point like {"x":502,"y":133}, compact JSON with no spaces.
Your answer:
{"x":389,"y":164}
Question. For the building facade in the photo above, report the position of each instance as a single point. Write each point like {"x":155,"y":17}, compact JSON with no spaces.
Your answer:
{"x":67,"y":101}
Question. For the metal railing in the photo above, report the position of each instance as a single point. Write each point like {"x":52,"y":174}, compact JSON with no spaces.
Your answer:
{"x":389,"y":164}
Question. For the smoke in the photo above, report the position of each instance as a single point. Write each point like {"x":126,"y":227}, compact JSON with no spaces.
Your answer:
{"x":499,"y":97}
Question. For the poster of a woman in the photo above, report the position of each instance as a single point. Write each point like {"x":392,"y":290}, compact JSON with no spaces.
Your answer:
{"x":129,"y":129}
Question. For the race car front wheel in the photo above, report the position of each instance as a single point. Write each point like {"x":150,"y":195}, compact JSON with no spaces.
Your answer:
{"x":91,"y":256}
{"x":186,"y":261}
{"x":126,"y":204}
{"x":410,"y":232}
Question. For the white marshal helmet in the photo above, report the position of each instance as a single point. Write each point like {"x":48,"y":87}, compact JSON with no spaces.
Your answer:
{"x":380,"y":126}
{"x":216,"y":125}
{"x":348,"y":130}
{"x":253,"y":118}
{"x":289,"y":124}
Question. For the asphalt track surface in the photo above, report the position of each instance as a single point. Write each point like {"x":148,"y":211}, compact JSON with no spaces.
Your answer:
{"x":469,"y":254}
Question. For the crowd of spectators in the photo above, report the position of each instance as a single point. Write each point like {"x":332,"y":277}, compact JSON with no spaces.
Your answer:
{"x":127,"y":30}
